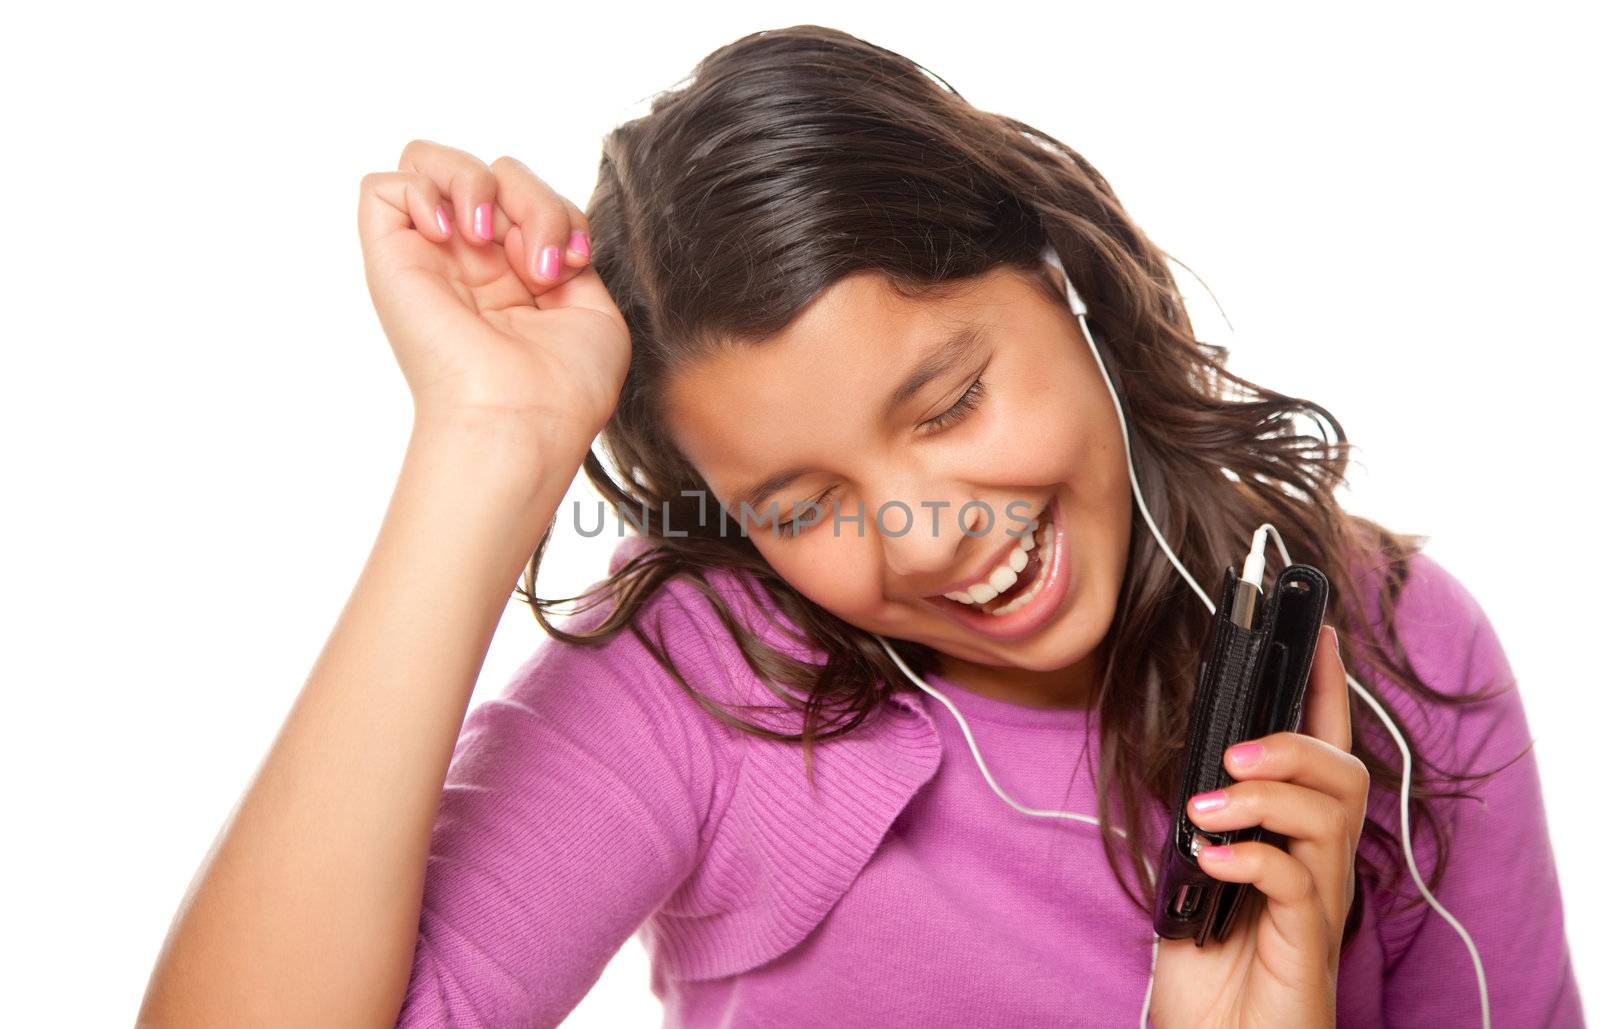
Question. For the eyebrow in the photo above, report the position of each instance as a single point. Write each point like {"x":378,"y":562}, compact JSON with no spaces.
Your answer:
{"x":939,"y":359}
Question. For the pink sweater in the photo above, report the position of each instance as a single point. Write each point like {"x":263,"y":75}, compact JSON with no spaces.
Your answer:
{"x":594,"y":799}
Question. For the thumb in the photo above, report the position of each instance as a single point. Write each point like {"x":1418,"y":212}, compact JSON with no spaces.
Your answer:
{"x":1328,"y":697}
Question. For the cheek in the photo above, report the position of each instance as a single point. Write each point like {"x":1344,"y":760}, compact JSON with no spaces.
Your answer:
{"x":1039,"y":437}
{"x":837,"y":574}
{"x":1062,"y":427}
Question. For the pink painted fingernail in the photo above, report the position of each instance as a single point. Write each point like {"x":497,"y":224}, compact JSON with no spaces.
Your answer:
{"x":549,"y":263}
{"x":1246,"y":754}
{"x":1216,"y":853}
{"x":483,"y":222}
{"x":443,"y":220}
{"x":578,"y":242}
{"x":1209,"y":801}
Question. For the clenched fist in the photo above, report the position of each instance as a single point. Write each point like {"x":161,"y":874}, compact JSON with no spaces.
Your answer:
{"x":481,"y":278}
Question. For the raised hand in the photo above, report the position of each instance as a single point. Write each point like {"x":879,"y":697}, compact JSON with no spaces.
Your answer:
{"x":481,"y":279}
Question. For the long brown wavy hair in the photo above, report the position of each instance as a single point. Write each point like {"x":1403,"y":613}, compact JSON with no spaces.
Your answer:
{"x":792,"y":158}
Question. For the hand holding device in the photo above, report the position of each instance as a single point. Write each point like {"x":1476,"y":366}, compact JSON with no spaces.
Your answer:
{"x":1252,"y":683}
{"x":1282,"y":840}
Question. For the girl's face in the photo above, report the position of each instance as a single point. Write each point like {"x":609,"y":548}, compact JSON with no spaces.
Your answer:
{"x":894,"y":416}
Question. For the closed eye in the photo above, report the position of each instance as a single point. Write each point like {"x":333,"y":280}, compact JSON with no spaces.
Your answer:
{"x":792,"y":527}
{"x":960,"y":409}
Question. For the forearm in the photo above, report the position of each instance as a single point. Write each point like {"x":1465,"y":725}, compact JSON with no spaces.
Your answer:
{"x":306,"y":909}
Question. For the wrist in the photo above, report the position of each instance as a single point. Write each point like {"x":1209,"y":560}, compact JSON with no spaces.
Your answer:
{"x":511,"y":464}
{"x":521,"y":435}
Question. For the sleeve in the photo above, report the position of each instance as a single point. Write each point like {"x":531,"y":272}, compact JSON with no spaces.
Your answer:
{"x":1500,"y":877}
{"x":575,"y":804}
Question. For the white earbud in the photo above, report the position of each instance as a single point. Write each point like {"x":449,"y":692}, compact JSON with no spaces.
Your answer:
{"x":1081,"y":310}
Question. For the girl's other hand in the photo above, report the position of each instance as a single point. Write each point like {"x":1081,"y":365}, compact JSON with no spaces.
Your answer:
{"x":1280,"y":963}
{"x":481,"y":279}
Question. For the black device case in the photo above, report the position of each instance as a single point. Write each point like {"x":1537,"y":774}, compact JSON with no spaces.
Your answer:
{"x":1252,"y":683}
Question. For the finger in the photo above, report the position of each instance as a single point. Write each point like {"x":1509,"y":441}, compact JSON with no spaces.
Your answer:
{"x":1321,"y":832}
{"x":465,"y":179}
{"x":1295,"y":811}
{"x":578,"y":239}
{"x":1293,"y":905}
{"x":1304,"y":760}
{"x":394,"y":201}
{"x":1328,"y":702}
{"x":544,"y":219}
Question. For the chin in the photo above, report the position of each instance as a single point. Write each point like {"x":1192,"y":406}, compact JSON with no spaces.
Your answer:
{"x":1061,"y":647}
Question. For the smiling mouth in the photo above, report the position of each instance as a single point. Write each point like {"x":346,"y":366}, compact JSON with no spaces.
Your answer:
{"x":1017,"y":579}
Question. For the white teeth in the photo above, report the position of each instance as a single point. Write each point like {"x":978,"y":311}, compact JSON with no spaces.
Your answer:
{"x":1033,"y":589}
{"x":1005,"y":575}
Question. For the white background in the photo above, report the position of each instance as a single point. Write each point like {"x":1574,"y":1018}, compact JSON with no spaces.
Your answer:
{"x":202,"y":421}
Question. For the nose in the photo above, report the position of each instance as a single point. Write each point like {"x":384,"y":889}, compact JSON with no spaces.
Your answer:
{"x":922,"y":539}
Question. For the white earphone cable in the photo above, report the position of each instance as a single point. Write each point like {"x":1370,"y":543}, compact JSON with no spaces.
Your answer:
{"x":1081,"y":311}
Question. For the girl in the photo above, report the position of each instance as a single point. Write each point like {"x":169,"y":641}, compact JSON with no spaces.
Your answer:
{"x":855,"y":423}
